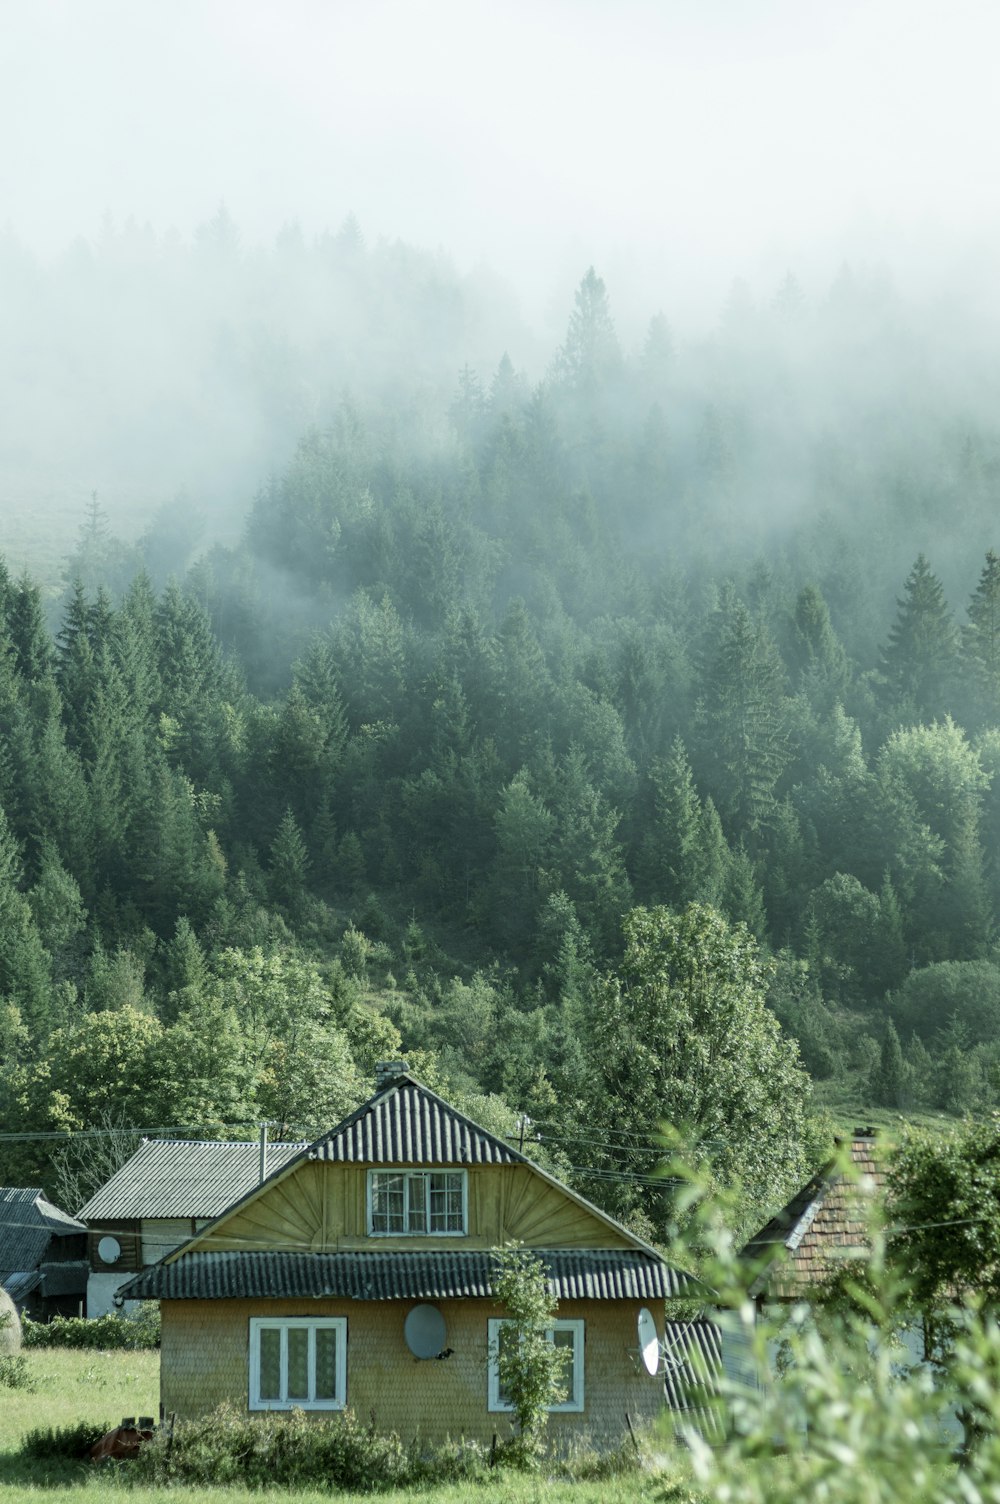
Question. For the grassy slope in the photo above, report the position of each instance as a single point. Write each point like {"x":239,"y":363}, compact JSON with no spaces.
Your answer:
{"x":78,"y":1386}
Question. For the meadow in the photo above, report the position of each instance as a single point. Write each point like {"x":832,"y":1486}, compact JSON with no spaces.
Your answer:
{"x":72,"y":1386}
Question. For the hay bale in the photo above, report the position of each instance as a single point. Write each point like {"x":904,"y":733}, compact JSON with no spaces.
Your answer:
{"x":10,"y":1325}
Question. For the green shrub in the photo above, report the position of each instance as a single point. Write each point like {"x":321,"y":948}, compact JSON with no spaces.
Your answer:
{"x":138,"y":1329}
{"x":15,"y":1373}
{"x":285,"y":1450}
{"x":76,"y":1441}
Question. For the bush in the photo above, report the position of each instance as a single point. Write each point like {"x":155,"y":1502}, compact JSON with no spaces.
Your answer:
{"x":286,"y":1450}
{"x":15,"y":1373}
{"x":46,"y":1442}
{"x":293,"y":1450}
{"x":139,"y":1329}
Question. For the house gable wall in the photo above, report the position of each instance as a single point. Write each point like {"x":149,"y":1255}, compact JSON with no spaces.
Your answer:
{"x":322,"y":1208}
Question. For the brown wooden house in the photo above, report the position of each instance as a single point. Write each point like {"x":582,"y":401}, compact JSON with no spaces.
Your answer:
{"x":360,"y":1274}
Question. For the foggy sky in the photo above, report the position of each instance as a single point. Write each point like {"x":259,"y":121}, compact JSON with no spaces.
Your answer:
{"x":675,"y":144}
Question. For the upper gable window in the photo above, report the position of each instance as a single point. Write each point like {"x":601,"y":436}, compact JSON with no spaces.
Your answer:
{"x":408,"y":1203}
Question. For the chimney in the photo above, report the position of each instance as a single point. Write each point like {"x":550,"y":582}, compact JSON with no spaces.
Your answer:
{"x":387,"y":1071}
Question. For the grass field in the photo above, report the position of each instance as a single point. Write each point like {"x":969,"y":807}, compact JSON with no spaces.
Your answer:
{"x":90,"y":1386}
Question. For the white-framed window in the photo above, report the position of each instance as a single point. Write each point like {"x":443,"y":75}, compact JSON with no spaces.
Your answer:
{"x":567,"y":1335}
{"x":298,"y":1362}
{"x":408,"y":1203}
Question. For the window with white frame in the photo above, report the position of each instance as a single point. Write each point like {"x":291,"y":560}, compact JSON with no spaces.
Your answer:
{"x":565,"y":1335}
{"x":411,"y":1202}
{"x":298,"y":1362}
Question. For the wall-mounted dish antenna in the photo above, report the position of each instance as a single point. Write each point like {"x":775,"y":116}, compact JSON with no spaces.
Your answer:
{"x":109,"y":1250}
{"x":425,"y":1331}
{"x":649,"y":1342}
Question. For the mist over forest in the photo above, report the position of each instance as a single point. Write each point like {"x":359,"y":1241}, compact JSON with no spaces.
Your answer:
{"x":367,"y":657}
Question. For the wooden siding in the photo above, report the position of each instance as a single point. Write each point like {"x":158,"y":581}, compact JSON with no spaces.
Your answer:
{"x":204,"y":1361}
{"x":321,"y":1208}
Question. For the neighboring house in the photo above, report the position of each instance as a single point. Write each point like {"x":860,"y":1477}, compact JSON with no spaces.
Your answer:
{"x":168,"y":1190}
{"x":825,"y":1223}
{"x":361,"y":1274}
{"x":43,"y":1254}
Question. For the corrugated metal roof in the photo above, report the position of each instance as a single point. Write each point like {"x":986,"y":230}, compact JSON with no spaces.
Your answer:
{"x":692,"y":1375}
{"x":19,"y":1286}
{"x":406,"y":1123}
{"x":184,"y":1178}
{"x":825,"y":1221}
{"x":28,"y":1223}
{"x":584,"y":1274}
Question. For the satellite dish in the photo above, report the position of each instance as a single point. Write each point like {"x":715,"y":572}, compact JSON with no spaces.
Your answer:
{"x":425,"y":1331}
{"x":109,"y":1250}
{"x":649,"y":1342}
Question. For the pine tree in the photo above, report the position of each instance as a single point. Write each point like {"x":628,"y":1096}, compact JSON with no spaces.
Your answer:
{"x":888,"y":1083}
{"x":289,"y":865}
{"x":743,"y":733}
{"x":672,"y":847}
{"x":921,"y":657}
{"x":591,"y":353}
{"x":981,"y":646}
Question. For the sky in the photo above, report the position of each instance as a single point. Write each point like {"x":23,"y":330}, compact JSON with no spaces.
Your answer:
{"x":675,"y":145}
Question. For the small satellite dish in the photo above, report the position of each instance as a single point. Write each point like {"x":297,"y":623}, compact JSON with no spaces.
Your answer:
{"x":109,"y":1250}
{"x":425,"y":1331}
{"x":649,"y":1342}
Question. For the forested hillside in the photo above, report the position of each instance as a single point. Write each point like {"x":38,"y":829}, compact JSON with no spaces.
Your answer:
{"x":711,"y":622}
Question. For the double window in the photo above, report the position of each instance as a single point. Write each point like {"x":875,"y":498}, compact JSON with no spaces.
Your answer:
{"x":298,"y":1362}
{"x":413,"y":1202}
{"x":567,"y":1336}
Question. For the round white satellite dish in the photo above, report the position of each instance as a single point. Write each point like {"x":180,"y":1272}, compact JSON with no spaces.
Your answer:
{"x":425,"y":1331}
{"x":649,"y":1342}
{"x":109,"y":1250}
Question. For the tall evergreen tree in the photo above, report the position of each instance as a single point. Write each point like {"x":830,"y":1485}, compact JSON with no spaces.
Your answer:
{"x":920,"y":660}
{"x":981,"y":647}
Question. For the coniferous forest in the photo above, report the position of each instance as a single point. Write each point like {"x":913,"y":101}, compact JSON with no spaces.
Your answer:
{"x":515,"y":695}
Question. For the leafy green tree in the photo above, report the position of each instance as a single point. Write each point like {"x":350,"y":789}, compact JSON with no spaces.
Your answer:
{"x":681,"y":1034}
{"x":529,"y":1365}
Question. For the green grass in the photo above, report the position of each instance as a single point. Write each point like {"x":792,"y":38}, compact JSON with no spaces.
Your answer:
{"x":73,"y":1386}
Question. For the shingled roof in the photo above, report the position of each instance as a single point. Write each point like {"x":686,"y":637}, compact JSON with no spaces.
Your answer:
{"x":573,"y":1274}
{"x":825,"y":1222}
{"x":28,"y":1223}
{"x":184,"y":1178}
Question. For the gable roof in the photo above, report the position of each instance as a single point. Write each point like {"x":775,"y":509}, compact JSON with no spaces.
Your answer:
{"x":405,"y":1123}
{"x":28,"y":1223}
{"x":185,"y":1178}
{"x":823,"y":1222}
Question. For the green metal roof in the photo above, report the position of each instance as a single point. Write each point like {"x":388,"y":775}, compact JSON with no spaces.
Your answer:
{"x":184,"y":1178}
{"x":584,"y":1274}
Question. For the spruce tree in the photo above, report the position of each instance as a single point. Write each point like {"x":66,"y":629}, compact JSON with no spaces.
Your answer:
{"x":920,"y":660}
{"x":981,"y":647}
